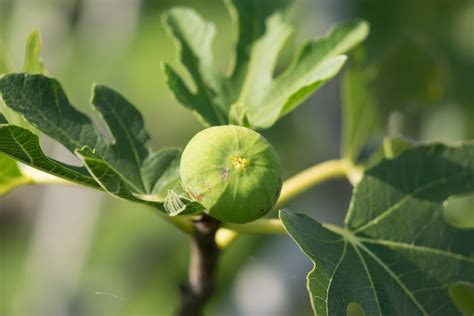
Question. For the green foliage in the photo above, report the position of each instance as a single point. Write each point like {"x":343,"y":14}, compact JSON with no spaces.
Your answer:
{"x":33,"y":63}
{"x":23,"y":145}
{"x":251,"y":95}
{"x":125,"y":167}
{"x":396,"y":254}
{"x":10,"y":174}
{"x":359,"y":112}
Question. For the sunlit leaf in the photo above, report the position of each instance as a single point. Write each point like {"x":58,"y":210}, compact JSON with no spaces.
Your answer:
{"x":33,"y":63}
{"x":250,"y":94}
{"x":396,"y":254}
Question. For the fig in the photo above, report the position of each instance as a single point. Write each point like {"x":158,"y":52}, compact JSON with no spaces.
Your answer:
{"x":233,"y":171}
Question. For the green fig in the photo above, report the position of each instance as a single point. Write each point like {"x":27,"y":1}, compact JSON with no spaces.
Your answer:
{"x":233,"y":171}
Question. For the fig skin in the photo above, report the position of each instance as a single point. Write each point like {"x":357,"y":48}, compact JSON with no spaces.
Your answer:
{"x":233,"y":171}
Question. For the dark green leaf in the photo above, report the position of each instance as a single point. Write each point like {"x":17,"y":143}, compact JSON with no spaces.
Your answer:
{"x":250,"y":95}
{"x":110,"y":179}
{"x":126,"y":167}
{"x":396,"y":254}
{"x":22,"y":145}
{"x":3,"y":120}
{"x":43,"y":103}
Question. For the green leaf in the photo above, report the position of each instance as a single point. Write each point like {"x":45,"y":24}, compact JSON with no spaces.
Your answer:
{"x":396,"y":254}
{"x":10,"y":175}
{"x":359,"y":112}
{"x":33,"y":63}
{"x":251,"y":95}
{"x":3,"y":61}
{"x":22,"y":145}
{"x":125,"y":167}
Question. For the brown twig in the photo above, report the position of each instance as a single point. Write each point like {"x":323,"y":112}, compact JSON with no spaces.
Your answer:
{"x":201,"y":283}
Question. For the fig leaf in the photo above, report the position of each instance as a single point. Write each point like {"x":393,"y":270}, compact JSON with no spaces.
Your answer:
{"x":397,"y":254}
{"x":125,"y":167}
{"x":251,"y":95}
{"x":11,"y":176}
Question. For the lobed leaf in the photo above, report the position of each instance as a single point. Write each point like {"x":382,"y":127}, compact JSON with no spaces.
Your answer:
{"x":396,"y":255}
{"x":251,"y":95}
{"x":125,"y":167}
{"x":23,"y":146}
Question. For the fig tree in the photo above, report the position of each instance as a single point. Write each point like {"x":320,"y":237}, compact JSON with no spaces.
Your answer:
{"x":233,"y":171}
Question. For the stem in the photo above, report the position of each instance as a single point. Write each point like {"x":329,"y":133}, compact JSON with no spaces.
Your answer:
{"x":261,"y":226}
{"x":181,"y":222}
{"x":312,"y":176}
{"x":201,"y":283}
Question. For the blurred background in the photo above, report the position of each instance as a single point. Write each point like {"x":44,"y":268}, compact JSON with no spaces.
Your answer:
{"x":72,"y":251}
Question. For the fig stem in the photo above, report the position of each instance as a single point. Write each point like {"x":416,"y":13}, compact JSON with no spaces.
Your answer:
{"x":330,"y":169}
{"x":201,"y":283}
{"x":260,"y":226}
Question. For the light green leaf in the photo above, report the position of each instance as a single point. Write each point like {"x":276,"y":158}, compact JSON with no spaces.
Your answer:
{"x":126,"y":167}
{"x":194,"y":38}
{"x":3,"y":61}
{"x":251,"y":95}
{"x":396,"y":254}
{"x":317,"y":62}
{"x":10,"y":175}
{"x":359,"y":112}
{"x":33,"y":63}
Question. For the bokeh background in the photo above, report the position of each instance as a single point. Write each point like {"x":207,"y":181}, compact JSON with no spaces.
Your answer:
{"x":72,"y":251}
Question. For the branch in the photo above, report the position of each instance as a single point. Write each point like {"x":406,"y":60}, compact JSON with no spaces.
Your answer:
{"x":330,"y":169}
{"x":201,"y":283}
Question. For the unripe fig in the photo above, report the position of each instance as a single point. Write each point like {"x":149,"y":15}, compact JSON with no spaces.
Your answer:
{"x":233,"y":172}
